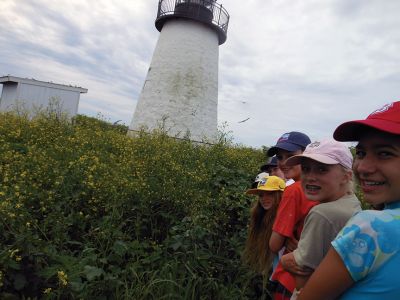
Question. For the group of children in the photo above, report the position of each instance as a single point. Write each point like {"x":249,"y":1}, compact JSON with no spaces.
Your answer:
{"x":324,"y":246}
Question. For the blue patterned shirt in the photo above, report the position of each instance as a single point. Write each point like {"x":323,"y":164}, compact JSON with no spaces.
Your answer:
{"x":369,"y":246}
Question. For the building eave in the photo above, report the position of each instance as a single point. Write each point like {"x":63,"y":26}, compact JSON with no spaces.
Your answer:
{"x":8,"y":78}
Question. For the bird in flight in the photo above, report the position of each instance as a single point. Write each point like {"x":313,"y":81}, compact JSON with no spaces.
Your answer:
{"x":243,"y":120}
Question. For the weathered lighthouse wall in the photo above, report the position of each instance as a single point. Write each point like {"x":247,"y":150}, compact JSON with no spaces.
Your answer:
{"x":181,"y":87}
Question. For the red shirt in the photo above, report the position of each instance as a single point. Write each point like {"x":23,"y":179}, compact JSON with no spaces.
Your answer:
{"x":289,"y":222}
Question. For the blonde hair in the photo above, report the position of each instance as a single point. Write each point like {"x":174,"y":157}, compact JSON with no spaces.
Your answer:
{"x":350,"y":184}
{"x":257,"y":254}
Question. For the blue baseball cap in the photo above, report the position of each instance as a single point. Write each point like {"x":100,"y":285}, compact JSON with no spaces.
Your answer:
{"x":272,"y":163}
{"x":290,"y":141}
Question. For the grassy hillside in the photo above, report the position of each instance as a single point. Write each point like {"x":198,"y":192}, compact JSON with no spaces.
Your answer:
{"x":88,"y":213}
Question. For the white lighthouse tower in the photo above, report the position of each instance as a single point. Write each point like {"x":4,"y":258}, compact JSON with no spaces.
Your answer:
{"x":180,"y":93}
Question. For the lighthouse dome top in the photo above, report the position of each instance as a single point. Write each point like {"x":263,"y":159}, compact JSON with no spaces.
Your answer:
{"x":208,"y":12}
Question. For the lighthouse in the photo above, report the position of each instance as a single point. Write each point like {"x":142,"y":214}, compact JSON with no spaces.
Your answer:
{"x":180,"y":92}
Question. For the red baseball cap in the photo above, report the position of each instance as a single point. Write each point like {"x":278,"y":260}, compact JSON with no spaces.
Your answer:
{"x":386,"y":119}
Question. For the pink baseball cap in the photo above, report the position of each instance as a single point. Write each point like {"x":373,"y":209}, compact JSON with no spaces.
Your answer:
{"x":385,"y":119}
{"x":328,"y":152}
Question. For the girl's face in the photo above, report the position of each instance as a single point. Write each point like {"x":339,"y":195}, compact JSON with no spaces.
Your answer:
{"x":377,"y":166}
{"x":290,"y":172}
{"x":266,"y":199}
{"x":322,"y":182}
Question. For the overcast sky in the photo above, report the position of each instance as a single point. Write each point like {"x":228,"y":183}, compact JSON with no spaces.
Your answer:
{"x":305,"y":65}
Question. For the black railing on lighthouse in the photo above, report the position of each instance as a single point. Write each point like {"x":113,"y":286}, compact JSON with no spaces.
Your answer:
{"x":206,"y":11}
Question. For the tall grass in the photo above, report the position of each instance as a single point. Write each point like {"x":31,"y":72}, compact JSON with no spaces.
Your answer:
{"x":88,"y":213}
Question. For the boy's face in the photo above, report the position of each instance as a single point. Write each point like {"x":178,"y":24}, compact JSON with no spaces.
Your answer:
{"x":377,"y":167}
{"x":290,"y":172}
{"x":275,"y":171}
{"x":322,"y":182}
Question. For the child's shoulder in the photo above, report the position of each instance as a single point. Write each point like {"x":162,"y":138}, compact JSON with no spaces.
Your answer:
{"x":294,"y":191}
{"x":293,"y":188}
{"x":386,"y":217}
{"x":388,"y":212}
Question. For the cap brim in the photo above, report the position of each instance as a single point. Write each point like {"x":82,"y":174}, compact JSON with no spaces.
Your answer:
{"x":296,"y":160}
{"x":270,"y":165}
{"x":352,"y":130}
{"x":252,"y":192}
{"x":285,"y":146}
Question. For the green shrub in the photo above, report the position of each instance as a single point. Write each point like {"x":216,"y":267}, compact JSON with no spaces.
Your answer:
{"x":88,"y":213}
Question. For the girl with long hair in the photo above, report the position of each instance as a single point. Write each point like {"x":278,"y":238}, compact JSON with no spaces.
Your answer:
{"x":257,"y":253}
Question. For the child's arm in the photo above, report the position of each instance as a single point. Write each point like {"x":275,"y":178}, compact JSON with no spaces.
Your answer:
{"x":276,"y":242}
{"x":286,"y":218}
{"x":301,"y":274}
{"x":329,"y":280}
{"x":291,"y":244}
{"x":301,"y":281}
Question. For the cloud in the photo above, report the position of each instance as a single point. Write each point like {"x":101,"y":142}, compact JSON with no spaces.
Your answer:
{"x":304,"y":65}
{"x":307,"y":66}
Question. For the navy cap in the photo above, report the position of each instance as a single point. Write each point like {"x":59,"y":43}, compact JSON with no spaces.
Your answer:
{"x":272,"y":163}
{"x":290,"y":141}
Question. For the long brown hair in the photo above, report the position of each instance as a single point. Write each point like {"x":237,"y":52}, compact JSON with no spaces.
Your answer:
{"x":257,"y":254}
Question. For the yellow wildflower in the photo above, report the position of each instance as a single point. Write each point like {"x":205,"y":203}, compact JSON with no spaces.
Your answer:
{"x":13,"y":252}
{"x":62,"y":278}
